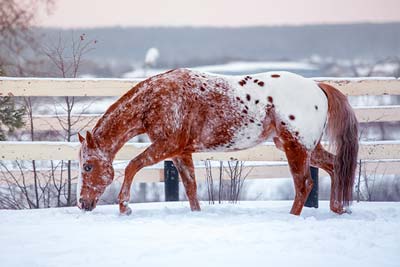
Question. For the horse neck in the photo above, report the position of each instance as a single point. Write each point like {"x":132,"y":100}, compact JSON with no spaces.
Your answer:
{"x":114,"y":128}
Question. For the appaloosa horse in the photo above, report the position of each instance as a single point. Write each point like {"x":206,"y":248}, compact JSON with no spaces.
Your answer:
{"x":185,"y":111}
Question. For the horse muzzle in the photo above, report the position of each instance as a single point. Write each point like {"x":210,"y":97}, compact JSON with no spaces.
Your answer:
{"x":87,"y":205}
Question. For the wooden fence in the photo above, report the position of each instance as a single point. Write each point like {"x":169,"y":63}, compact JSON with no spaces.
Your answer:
{"x":382,"y":156}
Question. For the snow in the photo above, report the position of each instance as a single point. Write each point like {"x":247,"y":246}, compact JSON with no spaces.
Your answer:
{"x":169,"y":234}
{"x":354,"y":79}
{"x":140,"y":73}
{"x":235,"y":67}
{"x":249,"y":67}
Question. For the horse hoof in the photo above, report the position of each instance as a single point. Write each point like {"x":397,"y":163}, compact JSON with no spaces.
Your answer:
{"x":126,"y":211}
{"x":124,"y":208}
{"x":348,"y":211}
{"x":341,"y":211}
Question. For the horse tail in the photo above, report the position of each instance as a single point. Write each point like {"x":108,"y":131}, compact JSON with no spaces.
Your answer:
{"x":342,"y":130}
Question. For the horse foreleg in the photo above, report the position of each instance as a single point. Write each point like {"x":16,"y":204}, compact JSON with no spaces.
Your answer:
{"x":156,"y":152}
{"x":184,"y":164}
{"x":321,"y":158}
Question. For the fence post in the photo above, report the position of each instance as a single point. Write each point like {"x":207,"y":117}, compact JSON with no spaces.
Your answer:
{"x":312,"y":200}
{"x":171,"y":181}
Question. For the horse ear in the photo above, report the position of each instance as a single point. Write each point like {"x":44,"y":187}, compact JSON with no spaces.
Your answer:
{"x":89,"y":140}
{"x":80,"y":137}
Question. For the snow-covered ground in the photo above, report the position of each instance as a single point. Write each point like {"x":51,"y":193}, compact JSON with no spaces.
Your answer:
{"x":168,"y":234}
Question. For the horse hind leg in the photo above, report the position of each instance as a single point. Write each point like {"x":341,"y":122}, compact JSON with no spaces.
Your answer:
{"x":156,"y":152}
{"x":299,"y":163}
{"x":184,"y":164}
{"x":321,"y":158}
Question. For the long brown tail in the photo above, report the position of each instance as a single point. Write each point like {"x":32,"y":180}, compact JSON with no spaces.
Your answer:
{"x":342,"y":132}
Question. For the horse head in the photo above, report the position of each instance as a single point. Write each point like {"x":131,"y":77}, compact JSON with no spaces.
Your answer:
{"x":96,"y":173}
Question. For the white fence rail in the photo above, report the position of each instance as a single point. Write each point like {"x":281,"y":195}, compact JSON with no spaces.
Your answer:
{"x":263,"y":152}
{"x":117,"y":87}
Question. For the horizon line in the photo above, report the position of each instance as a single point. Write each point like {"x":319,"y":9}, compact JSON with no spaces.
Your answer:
{"x":223,"y":26}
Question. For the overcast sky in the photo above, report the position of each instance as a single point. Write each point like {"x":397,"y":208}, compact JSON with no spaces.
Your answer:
{"x":95,"y":13}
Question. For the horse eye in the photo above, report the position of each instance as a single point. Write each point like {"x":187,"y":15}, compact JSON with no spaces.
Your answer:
{"x":87,"y":167}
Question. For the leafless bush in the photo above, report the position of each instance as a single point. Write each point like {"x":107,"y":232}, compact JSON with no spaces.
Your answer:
{"x":23,"y":188}
{"x":372,"y":187}
{"x":237,"y":173}
{"x":226,"y":189}
{"x":210,"y":182}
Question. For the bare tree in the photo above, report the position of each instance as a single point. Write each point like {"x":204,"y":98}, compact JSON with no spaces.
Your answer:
{"x":29,"y":109}
{"x":57,"y":182}
{"x":16,"y":34}
{"x":67,"y":61}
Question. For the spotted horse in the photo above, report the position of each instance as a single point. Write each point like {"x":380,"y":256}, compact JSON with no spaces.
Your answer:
{"x":185,"y":111}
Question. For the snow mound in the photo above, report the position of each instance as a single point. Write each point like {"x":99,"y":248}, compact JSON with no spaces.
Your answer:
{"x":169,"y":234}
